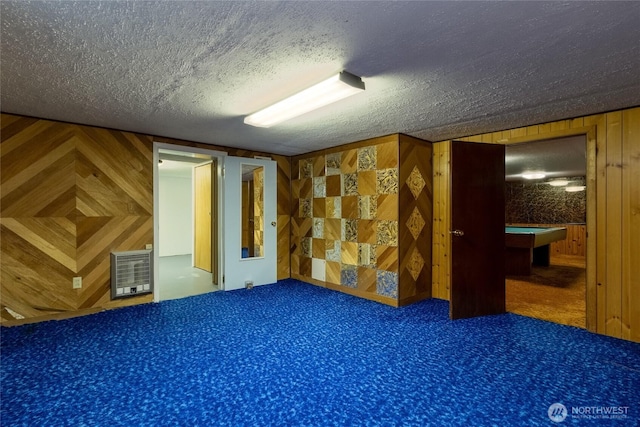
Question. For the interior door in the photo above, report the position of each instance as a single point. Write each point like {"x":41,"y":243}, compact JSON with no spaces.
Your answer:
{"x":261,"y":267}
{"x":202,"y":254}
{"x":477,"y":229}
{"x":215,"y":220}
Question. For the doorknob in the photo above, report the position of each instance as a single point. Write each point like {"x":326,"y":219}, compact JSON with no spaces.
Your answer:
{"x":457,"y":233}
{"x":273,"y":223}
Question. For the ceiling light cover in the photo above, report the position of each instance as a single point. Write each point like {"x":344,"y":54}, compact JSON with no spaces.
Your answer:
{"x":558,"y":182}
{"x":533,"y":175}
{"x":575,"y":188}
{"x":326,"y":92}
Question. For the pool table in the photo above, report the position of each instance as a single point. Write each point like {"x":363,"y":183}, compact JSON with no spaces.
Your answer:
{"x":527,"y":246}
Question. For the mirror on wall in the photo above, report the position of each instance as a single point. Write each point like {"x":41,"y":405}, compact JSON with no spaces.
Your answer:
{"x":252,"y":211}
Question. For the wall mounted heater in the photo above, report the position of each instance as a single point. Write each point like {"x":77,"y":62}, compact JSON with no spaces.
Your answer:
{"x":131,"y":273}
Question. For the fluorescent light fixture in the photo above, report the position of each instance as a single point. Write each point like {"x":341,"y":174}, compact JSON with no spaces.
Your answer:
{"x":326,"y":92}
{"x":558,"y":182}
{"x":575,"y":188}
{"x":533,"y":175}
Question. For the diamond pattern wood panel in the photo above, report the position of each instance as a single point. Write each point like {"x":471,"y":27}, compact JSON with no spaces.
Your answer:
{"x":415,"y":219}
{"x":70,"y":195}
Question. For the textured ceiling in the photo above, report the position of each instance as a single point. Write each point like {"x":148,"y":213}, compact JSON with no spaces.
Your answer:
{"x":434,"y":70}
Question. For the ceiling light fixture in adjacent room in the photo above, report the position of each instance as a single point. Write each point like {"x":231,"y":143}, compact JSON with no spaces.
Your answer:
{"x":533,"y":175}
{"x":575,"y":188}
{"x":558,"y":182}
{"x":326,"y":92}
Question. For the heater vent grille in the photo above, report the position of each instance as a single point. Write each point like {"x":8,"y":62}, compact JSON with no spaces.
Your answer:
{"x":131,"y":273}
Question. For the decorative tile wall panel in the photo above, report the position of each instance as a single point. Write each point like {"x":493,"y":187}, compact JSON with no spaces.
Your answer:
{"x":305,"y":247}
{"x":415,"y":182}
{"x":350,"y":184}
{"x":367,"y":279}
{"x":306,"y":168}
{"x":318,"y":166}
{"x":306,"y":188}
{"x":319,"y":207}
{"x":387,"y":155}
{"x":367,"y":207}
{"x":416,"y":223}
{"x":305,"y":267}
{"x":367,"y":183}
{"x":349,"y":161}
{"x":349,"y":230}
{"x":364,"y":188}
{"x":333,"y":272}
{"x":367,"y":158}
{"x":332,"y":229}
{"x":387,"y":284}
{"x":306,"y":208}
{"x":387,"y":208}
{"x":318,"y":248}
{"x":416,"y":263}
{"x":334,"y":207}
{"x":364,"y":254}
{"x":333,"y":250}
{"x":387,"y":258}
{"x":333,"y":163}
{"x":387,"y":181}
{"x":319,"y":186}
{"x":349,"y":207}
{"x":387,"y":233}
{"x":349,"y":253}
{"x":318,"y":269}
{"x":367,"y":231}
{"x":334,"y":185}
{"x":349,"y":276}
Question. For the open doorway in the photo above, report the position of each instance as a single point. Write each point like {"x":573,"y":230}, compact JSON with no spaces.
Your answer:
{"x":546,"y":215}
{"x":186,"y":222}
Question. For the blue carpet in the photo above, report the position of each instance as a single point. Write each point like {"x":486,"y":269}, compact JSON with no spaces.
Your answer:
{"x":296,"y":354}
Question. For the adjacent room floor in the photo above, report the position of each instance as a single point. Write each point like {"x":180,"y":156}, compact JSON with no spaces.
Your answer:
{"x":179,"y":279}
{"x":555,"y":293}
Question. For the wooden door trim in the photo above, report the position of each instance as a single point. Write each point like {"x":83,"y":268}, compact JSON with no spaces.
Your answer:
{"x":591,"y":133}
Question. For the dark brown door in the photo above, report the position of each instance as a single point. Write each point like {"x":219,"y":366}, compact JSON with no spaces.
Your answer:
{"x":477,"y":230}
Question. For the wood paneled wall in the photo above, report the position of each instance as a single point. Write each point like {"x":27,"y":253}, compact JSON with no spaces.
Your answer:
{"x":348,"y":231}
{"x":613,"y":214}
{"x":415,"y":207}
{"x":71,"y":194}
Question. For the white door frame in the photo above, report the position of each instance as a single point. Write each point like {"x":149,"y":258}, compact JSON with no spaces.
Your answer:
{"x":180,"y":149}
{"x":258,"y":270}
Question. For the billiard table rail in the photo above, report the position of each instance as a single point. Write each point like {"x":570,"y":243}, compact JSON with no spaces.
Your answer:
{"x":528,"y":246}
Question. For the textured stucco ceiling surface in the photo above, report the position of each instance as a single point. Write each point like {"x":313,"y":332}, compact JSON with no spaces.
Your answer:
{"x":435,"y":70}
